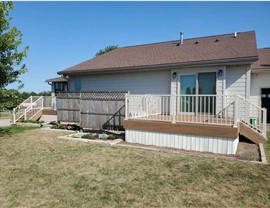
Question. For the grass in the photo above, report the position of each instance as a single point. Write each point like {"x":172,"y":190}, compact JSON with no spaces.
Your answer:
{"x":38,"y":170}
{"x":267,"y":146}
{"x":15,"y":129}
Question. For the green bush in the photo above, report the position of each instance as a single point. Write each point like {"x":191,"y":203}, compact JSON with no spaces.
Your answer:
{"x":112,"y":137}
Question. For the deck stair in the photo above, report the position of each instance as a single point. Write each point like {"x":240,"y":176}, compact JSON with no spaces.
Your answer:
{"x":251,"y":133}
{"x":31,"y":108}
{"x":246,"y":111}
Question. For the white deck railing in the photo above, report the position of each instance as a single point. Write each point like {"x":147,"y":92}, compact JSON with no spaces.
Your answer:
{"x":252,"y":114}
{"x":204,"y":109}
{"x":30,"y":107}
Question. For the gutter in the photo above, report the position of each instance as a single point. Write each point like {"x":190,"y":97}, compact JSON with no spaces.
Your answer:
{"x":231,"y":61}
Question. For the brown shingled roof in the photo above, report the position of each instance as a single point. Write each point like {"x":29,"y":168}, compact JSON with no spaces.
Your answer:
{"x":57,"y":79}
{"x":195,"y":50}
{"x":264,"y":60}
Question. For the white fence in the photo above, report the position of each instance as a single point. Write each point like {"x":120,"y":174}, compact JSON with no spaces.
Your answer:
{"x":206,"y":109}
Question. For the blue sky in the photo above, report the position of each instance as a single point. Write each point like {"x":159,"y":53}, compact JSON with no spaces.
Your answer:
{"x":62,"y":34}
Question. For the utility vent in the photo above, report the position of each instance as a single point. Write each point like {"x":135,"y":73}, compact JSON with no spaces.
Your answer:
{"x":217,"y":40}
{"x":181,"y":39}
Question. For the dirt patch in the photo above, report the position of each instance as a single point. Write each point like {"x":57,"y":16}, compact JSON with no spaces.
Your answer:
{"x":248,"y":151}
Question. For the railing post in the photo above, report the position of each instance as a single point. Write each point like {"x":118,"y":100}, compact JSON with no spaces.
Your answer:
{"x":264,"y":121}
{"x":147,"y":106}
{"x":24,"y":114}
{"x":174,"y":108}
{"x":236,"y":109}
{"x":42,"y":104}
{"x":14,"y":116}
{"x":126,"y":106}
{"x":31,"y":101}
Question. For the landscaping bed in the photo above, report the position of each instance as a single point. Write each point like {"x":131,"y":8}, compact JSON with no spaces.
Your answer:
{"x":105,"y":138}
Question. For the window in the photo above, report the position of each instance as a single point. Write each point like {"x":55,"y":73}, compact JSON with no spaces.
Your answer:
{"x":59,"y":86}
{"x":77,"y":85}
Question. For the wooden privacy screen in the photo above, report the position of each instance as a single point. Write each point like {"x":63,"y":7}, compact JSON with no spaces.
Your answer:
{"x":99,"y":110}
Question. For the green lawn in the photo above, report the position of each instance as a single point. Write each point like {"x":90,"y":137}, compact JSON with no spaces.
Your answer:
{"x":267,"y":146}
{"x":38,"y":170}
{"x":14,"y":129}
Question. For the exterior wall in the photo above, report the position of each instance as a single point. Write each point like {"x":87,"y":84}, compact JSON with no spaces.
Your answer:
{"x":258,"y":81}
{"x":181,"y":141}
{"x":148,"y":82}
{"x":237,"y":80}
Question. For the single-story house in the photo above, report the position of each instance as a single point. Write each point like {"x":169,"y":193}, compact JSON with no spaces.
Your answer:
{"x":195,"y":94}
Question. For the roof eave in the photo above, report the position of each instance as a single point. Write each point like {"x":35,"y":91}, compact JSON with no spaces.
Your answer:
{"x":229,"y":61}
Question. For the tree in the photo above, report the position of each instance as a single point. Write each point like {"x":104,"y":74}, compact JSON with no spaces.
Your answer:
{"x":9,"y":99}
{"x":10,"y":57}
{"x":106,"y":49}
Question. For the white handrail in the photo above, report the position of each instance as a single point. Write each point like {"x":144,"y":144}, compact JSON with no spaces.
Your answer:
{"x":25,"y":108}
{"x":252,"y":112}
{"x":38,"y":104}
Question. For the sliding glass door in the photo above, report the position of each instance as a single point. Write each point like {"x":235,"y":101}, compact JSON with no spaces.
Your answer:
{"x":201,"y":84}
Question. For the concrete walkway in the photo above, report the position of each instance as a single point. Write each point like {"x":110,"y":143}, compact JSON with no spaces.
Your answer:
{"x":5,"y":122}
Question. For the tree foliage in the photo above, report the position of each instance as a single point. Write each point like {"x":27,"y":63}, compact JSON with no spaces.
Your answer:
{"x":10,"y":40}
{"x":9,"y":99}
{"x":106,"y":49}
{"x":12,"y":98}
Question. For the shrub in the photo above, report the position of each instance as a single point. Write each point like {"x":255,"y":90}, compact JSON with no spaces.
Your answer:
{"x":112,"y":137}
{"x":4,"y":131}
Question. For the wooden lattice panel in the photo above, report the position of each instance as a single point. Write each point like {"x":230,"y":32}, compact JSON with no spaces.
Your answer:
{"x":68,"y":95}
{"x":103,"y":95}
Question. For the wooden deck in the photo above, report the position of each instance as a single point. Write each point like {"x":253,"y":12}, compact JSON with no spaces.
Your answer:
{"x":222,"y":131}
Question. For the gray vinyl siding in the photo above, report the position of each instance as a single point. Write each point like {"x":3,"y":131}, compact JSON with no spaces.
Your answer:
{"x":258,"y":81}
{"x":236,"y":80}
{"x":148,"y":82}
